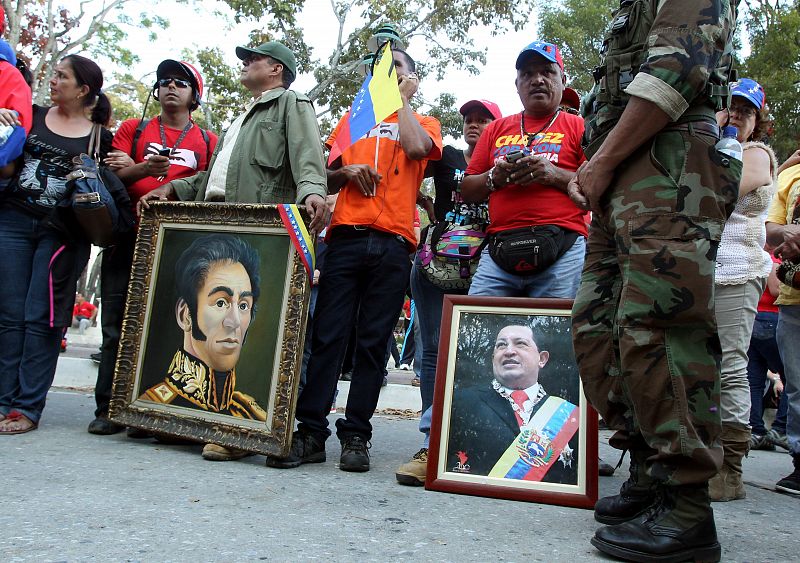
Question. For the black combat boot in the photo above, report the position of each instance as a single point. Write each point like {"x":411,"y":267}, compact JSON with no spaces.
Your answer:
{"x":678,"y":527}
{"x":636,"y":495}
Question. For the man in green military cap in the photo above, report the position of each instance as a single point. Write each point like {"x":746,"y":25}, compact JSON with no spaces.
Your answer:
{"x":272,"y":152}
{"x":644,"y":331}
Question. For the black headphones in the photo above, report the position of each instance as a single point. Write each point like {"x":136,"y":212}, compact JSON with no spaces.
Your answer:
{"x":195,"y":94}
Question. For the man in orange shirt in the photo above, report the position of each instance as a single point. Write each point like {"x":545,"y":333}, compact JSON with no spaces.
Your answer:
{"x":367,"y":270}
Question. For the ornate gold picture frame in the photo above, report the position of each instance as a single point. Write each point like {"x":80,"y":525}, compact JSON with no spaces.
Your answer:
{"x":212,"y":340}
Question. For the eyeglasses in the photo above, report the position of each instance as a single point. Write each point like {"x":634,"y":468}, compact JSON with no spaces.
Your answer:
{"x":743,"y":110}
{"x":252,"y":58}
{"x":164,"y":82}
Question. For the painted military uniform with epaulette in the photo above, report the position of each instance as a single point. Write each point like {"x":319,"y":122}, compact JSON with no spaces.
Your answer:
{"x":190,"y":383}
{"x":644,"y":329}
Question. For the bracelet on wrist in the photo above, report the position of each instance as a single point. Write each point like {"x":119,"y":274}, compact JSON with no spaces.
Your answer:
{"x":490,"y":181}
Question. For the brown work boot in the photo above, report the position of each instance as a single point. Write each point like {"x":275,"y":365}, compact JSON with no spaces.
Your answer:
{"x":213,"y":452}
{"x":727,"y":484}
{"x":635,"y":496}
{"x":413,"y":472}
{"x":678,"y":527}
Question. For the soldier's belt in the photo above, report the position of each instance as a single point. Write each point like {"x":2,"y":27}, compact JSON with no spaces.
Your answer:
{"x":692,"y":126}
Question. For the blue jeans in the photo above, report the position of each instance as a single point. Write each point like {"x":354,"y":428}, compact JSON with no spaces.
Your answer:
{"x":30,"y":330}
{"x":408,"y":350}
{"x":428,"y":300}
{"x":763,"y":355}
{"x":788,"y":335}
{"x":559,"y":280}
{"x":312,"y":302}
{"x":364,"y":282}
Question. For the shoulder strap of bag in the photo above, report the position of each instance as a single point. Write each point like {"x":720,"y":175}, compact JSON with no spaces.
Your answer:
{"x":136,"y":134}
{"x":207,"y":139}
{"x":438,"y":230}
{"x":94,"y":142}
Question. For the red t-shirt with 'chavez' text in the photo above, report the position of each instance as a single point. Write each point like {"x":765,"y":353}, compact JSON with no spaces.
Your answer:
{"x":513,"y":206}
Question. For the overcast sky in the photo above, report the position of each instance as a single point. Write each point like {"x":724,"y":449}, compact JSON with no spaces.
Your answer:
{"x":195,"y":25}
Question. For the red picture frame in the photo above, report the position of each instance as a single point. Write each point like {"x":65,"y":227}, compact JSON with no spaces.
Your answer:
{"x":553,"y":459}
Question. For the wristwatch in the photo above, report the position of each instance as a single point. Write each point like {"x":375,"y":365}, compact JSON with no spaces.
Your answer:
{"x":489,"y":181}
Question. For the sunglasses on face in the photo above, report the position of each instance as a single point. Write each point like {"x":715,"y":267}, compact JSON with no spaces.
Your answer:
{"x":164,"y":82}
{"x":251,"y":59}
{"x":743,"y":110}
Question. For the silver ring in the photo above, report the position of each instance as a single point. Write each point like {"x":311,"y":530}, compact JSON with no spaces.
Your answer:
{"x":531,"y":175}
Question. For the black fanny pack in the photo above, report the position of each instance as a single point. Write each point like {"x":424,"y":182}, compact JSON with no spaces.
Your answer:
{"x":530,"y":250}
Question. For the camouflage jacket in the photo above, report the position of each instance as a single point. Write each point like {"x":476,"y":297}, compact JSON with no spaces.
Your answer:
{"x":674,"y":53}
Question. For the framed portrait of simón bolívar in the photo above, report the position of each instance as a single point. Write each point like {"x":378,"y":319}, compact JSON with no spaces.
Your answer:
{"x":510,"y":419}
{"x":214,"y":326}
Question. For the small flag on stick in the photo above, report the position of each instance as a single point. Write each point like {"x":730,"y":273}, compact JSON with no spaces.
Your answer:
{"x":378,"y":98}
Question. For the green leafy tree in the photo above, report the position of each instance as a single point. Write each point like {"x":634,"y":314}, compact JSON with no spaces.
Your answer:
{"x":223,"y":95}
{"x":443,"y":25}
{"x":45,"y":32}
{"x":774,"y":61}
{"x":128,"y":96}
{"x":578,"y":27}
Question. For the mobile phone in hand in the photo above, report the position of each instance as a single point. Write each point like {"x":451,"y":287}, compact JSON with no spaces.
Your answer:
{"x":514,"y":156}
{"x":165,"y":152}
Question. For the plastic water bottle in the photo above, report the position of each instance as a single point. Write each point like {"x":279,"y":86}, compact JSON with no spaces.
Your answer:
{"x":728,"y":144}
{"x":5,"y":132}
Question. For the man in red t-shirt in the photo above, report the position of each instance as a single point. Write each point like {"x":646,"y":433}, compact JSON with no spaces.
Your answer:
{"x":523,"y":164}
{"x":365,"y":276}
{"x":83,"y":313}
{"x":146,"y":155}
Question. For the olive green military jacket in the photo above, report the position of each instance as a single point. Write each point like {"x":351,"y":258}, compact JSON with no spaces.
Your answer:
{"x":277,"y":157}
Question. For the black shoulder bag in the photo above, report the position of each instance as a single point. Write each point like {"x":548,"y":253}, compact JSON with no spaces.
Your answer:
{"x":92,"y":204}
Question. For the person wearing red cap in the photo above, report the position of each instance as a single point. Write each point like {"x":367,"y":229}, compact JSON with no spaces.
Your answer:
{"x":140,"y":161}
{"x":448,"y":206}
{"x":523,"y":164}
{"x":571,"y":101}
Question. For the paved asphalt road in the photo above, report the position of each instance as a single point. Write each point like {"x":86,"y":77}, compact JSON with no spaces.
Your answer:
{"x":70,"y":496}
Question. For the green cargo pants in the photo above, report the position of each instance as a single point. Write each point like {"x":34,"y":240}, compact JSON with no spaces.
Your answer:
{"x":643,"y":321}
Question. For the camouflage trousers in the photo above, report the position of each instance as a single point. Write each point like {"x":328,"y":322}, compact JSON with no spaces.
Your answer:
{"x":643,"y":321}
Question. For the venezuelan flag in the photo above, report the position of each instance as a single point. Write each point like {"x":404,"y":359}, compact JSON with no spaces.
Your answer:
{"x":378,"y":98}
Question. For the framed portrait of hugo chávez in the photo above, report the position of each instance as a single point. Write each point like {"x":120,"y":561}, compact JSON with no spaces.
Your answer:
{"x":212,"y":340}
{"x":509,"y":417}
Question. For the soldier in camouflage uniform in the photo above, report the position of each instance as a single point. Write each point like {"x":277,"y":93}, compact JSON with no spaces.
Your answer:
{"x":643,"y":321}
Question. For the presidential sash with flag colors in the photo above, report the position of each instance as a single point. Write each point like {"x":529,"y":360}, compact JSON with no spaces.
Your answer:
{"x":378,"y":98}
{"x":540,"y":443}
{"x":290,"y":215}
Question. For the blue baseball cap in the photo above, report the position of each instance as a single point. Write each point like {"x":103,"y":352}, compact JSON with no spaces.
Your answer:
{"x":751,"y":91}
{"x":544,"y":49}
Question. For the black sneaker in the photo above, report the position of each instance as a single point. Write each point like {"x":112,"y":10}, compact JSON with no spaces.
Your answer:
{"x":96,"y":357}
{"x":355,"y":454}
{"x":605,"y":469}
{"x":791,"y":483}
{"x":104,"y":427}
{"x":306,"y":448}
